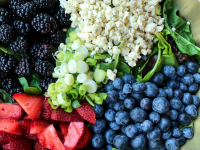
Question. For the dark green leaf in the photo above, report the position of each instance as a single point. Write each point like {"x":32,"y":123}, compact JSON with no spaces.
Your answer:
{"x":5,"y":97}
{"x":9,"y":51}
{"x":120,"y":74}
{"x":35,"y":81}
{"x":91,"y":61}
{"x":3,"y":48}
{"x":101,"y":56}
{"x":123,"y":67}
{"x":32,"y":90}
{"x":23,"y":82}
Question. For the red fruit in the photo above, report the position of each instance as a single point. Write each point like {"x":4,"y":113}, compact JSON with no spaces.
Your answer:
{"x":39,"y":117}
{"x":37,"y":126}
{"x":25,"y":125}
{"x":27,"y":117}
{"x":61,"y":115}
{"x":87,"y":112}
{"x":85,"y":140}
{"x":5,"y":138}
{"x":60,"y":135}
{"x":10,"y":126}
{"x":64,"y":128}
{"x":18,"y":145}
{"x":12,"y":111}
{"x":39,"y":146}
{"x":50,"y":139}
{"x":32,"y":104}
{"x":75,"y":132}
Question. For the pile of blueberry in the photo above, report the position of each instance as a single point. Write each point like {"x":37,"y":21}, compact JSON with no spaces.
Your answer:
{"x":155,"y":115}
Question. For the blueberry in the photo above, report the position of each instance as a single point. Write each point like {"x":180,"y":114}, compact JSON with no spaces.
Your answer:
{"x":138,"y":114}
{"x":183,"y":87}
{"x":187,"y":99}
{"x":197,"y":77}
{"x":191,"y":110}
{"x":178,"y":93}
{"x":109,"y":147}
{"x":166,"y":135}
{"x":181,"y":140}
{"x":119,"y":105}
{"x":179,"y":79}
{"x":138,"y":142}
{"x":184,"y":119}
{"x":171,"y":144}
{"x":122,"y":117}
{"x":188,"y":79}
{"x":151,"y":90}
{"x":121,"y":142}
{"x":192,"y":66}
{"x":182,"y":109}
{"x":181,"y":70}
{"x":175,"y":103}
{"x":122,"y":95}
{"x":154,"y":135}
{"x":118,"y":84}
{"x":145,"y":103}
{"x":131,"y":131}
{"x":99,"y":110}
{"x":123,"y":127}
{"x":188,"y":133}
{"x":196,"y":100}
{"x":157,"y":78}
{"x":138,"y":126}
{"x":110,"y":105}
{"x":169,"y":71}
{"x":164,"y":124}
{"x":98,"y":141}
{"x":109,"y":86}
{"x":160,"y":105}
{"x":155,"y":144}
{"x":154,"y":117}
{"x":174,"y":124}
{"x":176,"y":132}
{"x":127,"y":88}
{"x":173,"y":84}
{"x":137,"y":96}
{"x":147,"y":126}
{"x":161,"y":93}
{"x":113,"y":125}
{"x":128,"y":78}
{"x":193,"y":88}
{"x":99,"y":126}
{"x":109,"y":136}
{"x":169,"y":92}
{"x":162,"y":148}
{"x":174,"y":77}
{"x":173,"y":115}
{"x":138,"y":87}
{"x":129,"y":103}
{"x":112,"y":96}
{"x":110,"y":115}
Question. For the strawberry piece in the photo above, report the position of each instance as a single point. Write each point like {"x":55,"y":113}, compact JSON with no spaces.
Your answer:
{"x":61,"y":115}
{"x":12,"y":111}
{"x":31,"y":104}
{"x":60,"y":135}
{"x":39,"y":117}
{"x":39,"y":146}
{"x":87,"y":112}
{"x":64,"y":128}
{"x":75,"y":132}
{"x":10,"y":126}
{"x":19,"y":145}
{"x":85,"y":140}
{"x":37,"y":126}
{"x":50,"y":139}
{"x":25,"y":125}
{"x":27,"y":117}
{"x":5,"y":138}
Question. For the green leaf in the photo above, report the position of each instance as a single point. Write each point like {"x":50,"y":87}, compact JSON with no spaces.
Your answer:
{"x":123,"y":67}
{"x":101,"y":56}
{"x":91,"y":61}
{"x":32,"y":90}
{"x":35,"y":81}
{"x":5,"y":97}
{"x":23,"y":82}
{"x":3,"y":48}
{"x":18,"y":56}
{"x":159,"y":10}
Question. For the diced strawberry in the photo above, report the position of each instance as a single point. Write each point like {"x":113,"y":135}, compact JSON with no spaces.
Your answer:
{"x":85,"y":140}
{"x":12,"y":111}
{"x":19,"y":145}
{"x":39,"y":117}
{"x":32,"y":104}
{"x":25,"y":125}
{"x":50,"y":139}
{"x":27,"y":117}
{"x":75,"y":132}
{"x":10,"y":126}
{"x":87,"y":112}
{"x":37,"y":126}
{"x":5,"y":138}
{"x":60,"y":135}
{"x":64,"y":128}
{"x":61,"y":115}
{"x":39,"y":146}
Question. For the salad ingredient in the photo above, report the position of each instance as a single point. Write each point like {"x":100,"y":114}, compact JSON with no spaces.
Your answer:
{"x":91,"y":86}
{"x":20,"y":45}
{"x":62,"y":18}
{"x":45,"y":81}
{"x":39,"y":146}
{"x":99,"y":75}
{"x":7,"y":63}
{"x":85,"y":140}
{"x":24,"y":67}
{"x":81,"y":67}
{"x":8,"y":137}
{"x":64,"y":128}
{"x":72,"y":66}
{"x":81,"y":78}
{"x":37,"y":126}
{"x":57,"y":37}
{"x":7,"y":34}
{"x":44,"y":67}
{"x":46,"y":4}
{"x":22,"y":144}
{"x":10,"y":126}
{"x":45,"y":52}
{"x":98,"y":141}
{"x":22,"y":27}
{"x":5,"y":15}
{"x":69,"y":79}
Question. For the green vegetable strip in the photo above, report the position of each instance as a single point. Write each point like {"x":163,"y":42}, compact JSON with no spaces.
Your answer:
{"x":91,"y":61}
{"x":89,"y":101}
{"x":99,"y":56}
{"x":76,"y":104}
{"x":82,"y":89}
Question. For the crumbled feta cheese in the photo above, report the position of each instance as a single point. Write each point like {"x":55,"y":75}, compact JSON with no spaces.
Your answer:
{"x":173,"y":29}
{"x":111,"y":75}
{"x":188,"y":23}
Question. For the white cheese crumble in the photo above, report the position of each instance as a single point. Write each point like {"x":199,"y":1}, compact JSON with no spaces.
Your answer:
{"x":173,"y":29}
{"x":104,"y":27}
{"x":188,"y":23}
{"x":111,"y":74}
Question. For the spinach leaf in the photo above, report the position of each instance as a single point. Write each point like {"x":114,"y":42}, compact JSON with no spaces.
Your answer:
{"x":35,"y":82}
{"x":101,"y":56}
{"x":23,"y":82}
{"x":3,"y":48}
{"x":5,"y":97}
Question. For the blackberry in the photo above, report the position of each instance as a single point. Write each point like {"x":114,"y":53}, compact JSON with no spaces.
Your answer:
{"x":9,"y":83}
{"x":46,"y":52}
{"x":3,"y":75}
{"x":46,"y":81}
{"x":34,"y":50}
{"x":44,"y":67}
{"x":44,"y":23}
{"x":5,"y":16}
{"x":7,"y":34}
{"x":42,"y":4}
{"x":7,"y":63}
{"x":27,"y":11}
{"x":22,"y":27}
{"x":15,"y":90}
{"x":57,"y":38}
{"x":20,"y":45}
{"x":24,"y":67}
{"x":63,"y":19}
{"x":15,"y":4}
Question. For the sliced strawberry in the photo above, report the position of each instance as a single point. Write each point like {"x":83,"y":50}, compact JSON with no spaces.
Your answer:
{"x":12,"y":111}
{"x":39,"y":117}
{"x":60,"y":135}
{"x":39,"y":146}
{"x":25,"y":125}
{"x":37,"y":126}
{"x":87,"y":112}
{"x":75,"y":132}
{"x":85,"y":140}
{"x":18,"y":145}
{"x":10,"y":126}
{"x":27,"y":117}
{"x":50,"y":139}
{"x":31,"y":104}
{"x":64,"y":128}
{"x":61,"y":115}
{"x":5,"y":138}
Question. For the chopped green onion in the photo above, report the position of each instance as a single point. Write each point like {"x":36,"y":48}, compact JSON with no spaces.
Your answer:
{"x":92,"y":96}
{"x":73,"y":93}
{"x":91,"y":86}
{"x":76,"y":104}
{"x":69,"y":109}
{"x":82,"y":89}
{"x":89,"y":101}
{"x":91,"y":61}
{"x":69,"y":79}
{"x":61,"y":97}
{"x":99,"y":75}
{"x":82,"y":77}
{"x":101,"y":56}
{"x":78,"y":56}
{"x":61,"y":86}
{"x":90,"y":75}
{"x":73,"y":36}
{"x":52,"y":105}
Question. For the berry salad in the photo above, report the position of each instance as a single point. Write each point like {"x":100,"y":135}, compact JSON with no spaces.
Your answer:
{"x":97,"y":75}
